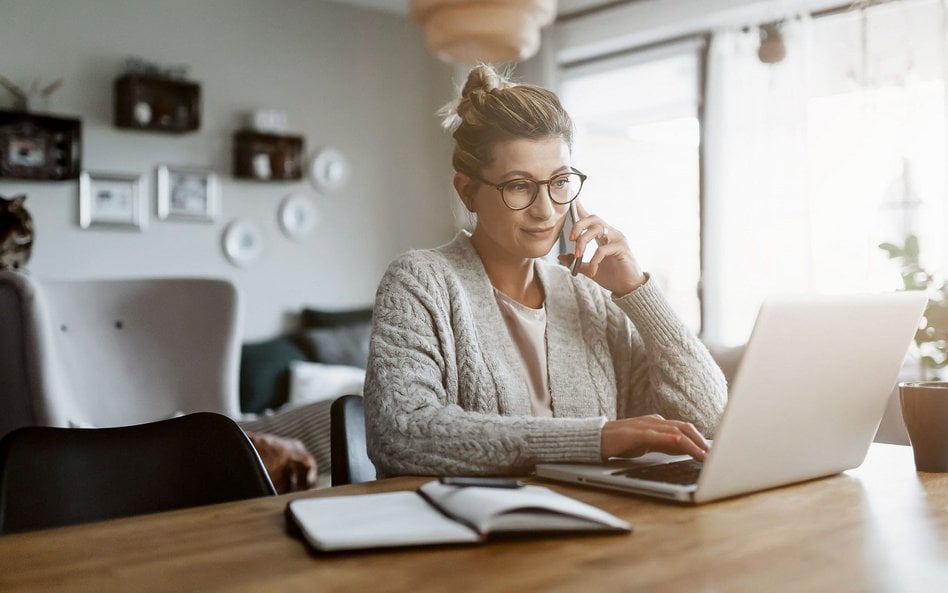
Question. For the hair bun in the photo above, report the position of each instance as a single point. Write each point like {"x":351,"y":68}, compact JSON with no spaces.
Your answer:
{"x":481,"y":81}
{"x":484,"y":79}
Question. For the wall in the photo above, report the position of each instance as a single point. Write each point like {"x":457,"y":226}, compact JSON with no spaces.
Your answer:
{"x":351,"y":78}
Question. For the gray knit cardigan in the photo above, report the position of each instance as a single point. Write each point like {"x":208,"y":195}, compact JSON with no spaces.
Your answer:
{"x":445,"y":392}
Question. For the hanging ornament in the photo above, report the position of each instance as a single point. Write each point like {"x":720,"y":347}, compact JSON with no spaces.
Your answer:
{"x":772,"y":49}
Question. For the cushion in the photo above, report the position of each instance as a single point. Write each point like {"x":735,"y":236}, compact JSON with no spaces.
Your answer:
{"x":310,"y":423}
{"x":314,"y":381}
{"x":317,"y":318}
{"x":264,"y":373}
{"x":343,"y":344}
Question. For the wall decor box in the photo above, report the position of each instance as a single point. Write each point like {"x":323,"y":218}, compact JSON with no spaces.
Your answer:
{"x":157,"y":104}
{"x":39,"y":146}
{"x":267,"y":157}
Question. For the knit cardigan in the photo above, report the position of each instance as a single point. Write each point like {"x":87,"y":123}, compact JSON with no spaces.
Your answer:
{"x":445,"y":392}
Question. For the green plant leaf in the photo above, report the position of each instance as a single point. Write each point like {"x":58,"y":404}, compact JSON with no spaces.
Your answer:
{"x":892,"y":249}
{"x":911,"y":248}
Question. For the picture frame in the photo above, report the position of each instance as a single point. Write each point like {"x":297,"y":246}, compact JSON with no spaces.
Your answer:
{"x":113,"y":200}
{"x":187,"y":193}
{"x":39,"y":147}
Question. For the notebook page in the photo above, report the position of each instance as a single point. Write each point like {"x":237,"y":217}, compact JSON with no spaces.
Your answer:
{"x":533,"y":506}
{"x":374,"y":521}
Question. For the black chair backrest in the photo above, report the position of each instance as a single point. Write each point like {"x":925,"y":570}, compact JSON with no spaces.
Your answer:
{"x":52,"y":477}
{"x":350,"y":461}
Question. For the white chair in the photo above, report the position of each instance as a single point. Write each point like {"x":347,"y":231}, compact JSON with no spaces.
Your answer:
{"x":116,"y":352}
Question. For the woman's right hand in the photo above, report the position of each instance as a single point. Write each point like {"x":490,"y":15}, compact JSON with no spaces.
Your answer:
{"x":631,"y":437}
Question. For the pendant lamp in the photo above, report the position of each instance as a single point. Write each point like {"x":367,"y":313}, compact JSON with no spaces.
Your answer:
{"x":489,"y":31}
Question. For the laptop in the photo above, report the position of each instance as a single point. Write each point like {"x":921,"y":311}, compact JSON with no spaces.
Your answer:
{"x":805,"y":403}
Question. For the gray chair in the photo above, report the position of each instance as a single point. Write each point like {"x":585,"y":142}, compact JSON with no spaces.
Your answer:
{"x":52,"y":477}
{"x":102,"y":353}
{"x":350,"y":460}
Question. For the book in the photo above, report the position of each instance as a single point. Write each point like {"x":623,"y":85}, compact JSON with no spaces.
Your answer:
{"x":440,"y":514}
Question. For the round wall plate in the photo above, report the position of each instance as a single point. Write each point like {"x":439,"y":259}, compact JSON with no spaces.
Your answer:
{"x":243,"y":242}
{"x":298,"y":216}
{"x":329,"y":170}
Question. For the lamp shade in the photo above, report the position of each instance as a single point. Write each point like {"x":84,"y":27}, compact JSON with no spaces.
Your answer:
{"x":473,"y":31}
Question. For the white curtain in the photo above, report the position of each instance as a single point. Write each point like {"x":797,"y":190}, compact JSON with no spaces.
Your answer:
{"x":812,"y":162}
{"x":756,"y":225}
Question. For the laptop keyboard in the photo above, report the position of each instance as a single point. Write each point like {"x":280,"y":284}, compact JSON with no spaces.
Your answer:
{"x":679,"y":472}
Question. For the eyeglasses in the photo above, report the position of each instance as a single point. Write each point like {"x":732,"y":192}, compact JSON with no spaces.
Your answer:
{"x":519,"y":194}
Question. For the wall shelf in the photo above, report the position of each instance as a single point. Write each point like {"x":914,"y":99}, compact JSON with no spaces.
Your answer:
{"x":267,"y":157}
{"x":157,"y":104}
{"x":39,"y":146}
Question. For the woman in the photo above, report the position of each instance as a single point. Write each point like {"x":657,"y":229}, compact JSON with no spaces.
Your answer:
{"x":487,"y":359}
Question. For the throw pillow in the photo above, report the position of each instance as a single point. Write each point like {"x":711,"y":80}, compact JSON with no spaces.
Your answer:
{"x":317,"y":318}
{"x":313,"y":381}
{"x":344,"y":344}
{"x":264,"y":373}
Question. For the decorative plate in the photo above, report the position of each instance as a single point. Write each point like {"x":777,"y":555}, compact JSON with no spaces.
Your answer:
{"x":298,"y":216}
{"x":243,"y":242}
{"x":329,"y":170}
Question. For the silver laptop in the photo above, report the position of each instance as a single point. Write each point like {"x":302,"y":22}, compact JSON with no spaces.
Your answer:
{"x":806,"y":401}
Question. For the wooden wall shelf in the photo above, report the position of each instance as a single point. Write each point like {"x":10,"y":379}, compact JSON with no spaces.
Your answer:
{"x":157,"y":104}
{"x":39,"y":146}
{"x":267,"y":157}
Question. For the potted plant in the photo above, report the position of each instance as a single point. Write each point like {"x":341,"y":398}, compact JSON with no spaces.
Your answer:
{"x":931,"y":339}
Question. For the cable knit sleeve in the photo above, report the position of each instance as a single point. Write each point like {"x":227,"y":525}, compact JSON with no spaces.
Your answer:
{"x":670,"y":371}
{"x":424,"y":359}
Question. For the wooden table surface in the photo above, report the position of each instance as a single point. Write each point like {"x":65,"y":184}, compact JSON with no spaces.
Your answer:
{"x":881,"y":527}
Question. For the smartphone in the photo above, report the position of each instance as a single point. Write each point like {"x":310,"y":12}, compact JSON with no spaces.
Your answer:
{"x":574,"y":217}
{"x":482,"y":482}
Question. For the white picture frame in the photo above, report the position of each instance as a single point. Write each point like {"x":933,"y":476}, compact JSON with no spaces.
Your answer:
{"x":187,"y":193}
{"x":111,"y":200}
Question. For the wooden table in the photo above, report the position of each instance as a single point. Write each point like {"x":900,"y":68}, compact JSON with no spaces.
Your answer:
{"x":881,"y":527}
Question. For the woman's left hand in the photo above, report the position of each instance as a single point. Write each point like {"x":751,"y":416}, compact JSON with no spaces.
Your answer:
{"x":613,"y":266}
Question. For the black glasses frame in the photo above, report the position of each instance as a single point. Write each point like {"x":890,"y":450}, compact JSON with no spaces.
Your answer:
{"x":500,"y":187}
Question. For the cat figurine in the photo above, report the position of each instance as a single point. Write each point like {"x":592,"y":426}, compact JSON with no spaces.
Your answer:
{"x":16,"y":233}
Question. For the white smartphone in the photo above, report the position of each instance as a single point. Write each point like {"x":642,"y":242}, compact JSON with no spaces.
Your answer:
{"x":574,"y":217}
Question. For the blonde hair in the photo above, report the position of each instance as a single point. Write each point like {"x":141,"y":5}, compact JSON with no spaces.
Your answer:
{"x":494,"y":109}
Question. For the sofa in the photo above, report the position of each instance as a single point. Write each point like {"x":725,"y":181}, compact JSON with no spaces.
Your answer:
{"x":287,"y":383}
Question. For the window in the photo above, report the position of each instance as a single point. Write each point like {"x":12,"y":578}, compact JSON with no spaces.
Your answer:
{"x":806,"y":165}
{"x":815,"y":161}
{"x":637,"y":137}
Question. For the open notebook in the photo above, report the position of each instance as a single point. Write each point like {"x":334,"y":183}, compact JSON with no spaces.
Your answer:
{"x":440,"y":514}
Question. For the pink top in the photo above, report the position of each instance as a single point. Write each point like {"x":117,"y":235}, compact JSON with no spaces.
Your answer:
{"x":527,"y":328}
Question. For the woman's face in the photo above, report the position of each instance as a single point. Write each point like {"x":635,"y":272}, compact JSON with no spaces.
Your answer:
{"x":517,"y":234}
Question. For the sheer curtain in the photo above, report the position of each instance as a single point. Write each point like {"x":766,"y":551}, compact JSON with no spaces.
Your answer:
{"x":812,"y":162}
{"x":756,"y":226}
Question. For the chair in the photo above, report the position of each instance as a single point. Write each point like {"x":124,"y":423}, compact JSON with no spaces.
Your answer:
{"x":350,"y":460}
{"x":52,"y":477}
{"x":105,"y":353}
